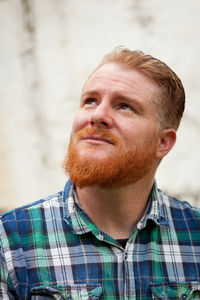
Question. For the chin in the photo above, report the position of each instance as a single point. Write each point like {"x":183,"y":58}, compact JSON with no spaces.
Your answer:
{"x":93,"y":152}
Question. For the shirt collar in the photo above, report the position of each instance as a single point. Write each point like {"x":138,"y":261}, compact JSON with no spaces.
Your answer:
{"x":80,"y":223}
{"x":74,"y":215}
{"x":155,"y":210}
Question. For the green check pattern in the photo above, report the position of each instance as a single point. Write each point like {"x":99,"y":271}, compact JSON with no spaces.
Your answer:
{"x":51,"y":250}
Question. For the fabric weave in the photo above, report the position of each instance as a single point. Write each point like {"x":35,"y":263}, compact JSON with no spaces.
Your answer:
{"x":51,"y":249}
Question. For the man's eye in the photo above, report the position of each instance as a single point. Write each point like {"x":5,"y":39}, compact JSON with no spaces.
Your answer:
{"x":125,"y":106}
{"x":89,"y":101}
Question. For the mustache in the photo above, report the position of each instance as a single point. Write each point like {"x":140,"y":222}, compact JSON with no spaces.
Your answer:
{"x":83,"y":133}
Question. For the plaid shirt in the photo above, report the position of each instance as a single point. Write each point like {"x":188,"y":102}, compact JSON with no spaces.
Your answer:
{"x":52,"y":250}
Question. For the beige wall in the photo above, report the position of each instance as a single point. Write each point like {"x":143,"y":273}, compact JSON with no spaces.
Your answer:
{"x":47,"y":50}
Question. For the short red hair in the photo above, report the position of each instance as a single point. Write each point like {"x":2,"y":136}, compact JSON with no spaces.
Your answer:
{"x":171,"y":100}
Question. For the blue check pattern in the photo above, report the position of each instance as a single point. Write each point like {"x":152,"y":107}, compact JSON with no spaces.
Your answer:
{"x":51,"y":250}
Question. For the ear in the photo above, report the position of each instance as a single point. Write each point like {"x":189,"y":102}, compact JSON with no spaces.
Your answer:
{"x":166,"y":142}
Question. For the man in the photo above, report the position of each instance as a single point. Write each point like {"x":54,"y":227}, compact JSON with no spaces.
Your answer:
{"x":111,"y":234}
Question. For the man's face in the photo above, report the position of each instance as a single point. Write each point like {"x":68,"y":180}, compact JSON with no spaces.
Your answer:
{"x":115,"y":132}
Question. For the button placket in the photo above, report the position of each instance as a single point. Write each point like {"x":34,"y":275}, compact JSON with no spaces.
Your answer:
{"x":184,"y":296}
{"x":100,"y":236}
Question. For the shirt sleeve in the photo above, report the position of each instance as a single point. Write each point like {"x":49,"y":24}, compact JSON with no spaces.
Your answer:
{"x":6,"y":286}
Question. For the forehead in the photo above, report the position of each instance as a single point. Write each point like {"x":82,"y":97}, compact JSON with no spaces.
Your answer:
{"x":119,"y":78}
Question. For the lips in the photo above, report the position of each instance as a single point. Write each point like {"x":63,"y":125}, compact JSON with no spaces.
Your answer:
{"x":98,"y":138}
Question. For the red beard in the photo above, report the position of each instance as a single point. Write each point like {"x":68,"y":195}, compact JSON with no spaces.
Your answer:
{"x":118,"y":169}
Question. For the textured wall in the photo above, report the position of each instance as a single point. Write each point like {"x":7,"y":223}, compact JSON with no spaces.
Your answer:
{"x":47,"y":50}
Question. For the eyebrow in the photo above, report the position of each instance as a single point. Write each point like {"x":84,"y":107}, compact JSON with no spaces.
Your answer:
{"x":89,"y":93}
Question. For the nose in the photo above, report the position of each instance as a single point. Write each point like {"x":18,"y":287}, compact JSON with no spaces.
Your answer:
{"x":101,"y":117}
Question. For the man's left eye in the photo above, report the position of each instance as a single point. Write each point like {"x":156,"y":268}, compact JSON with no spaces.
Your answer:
{"x":125,"y":106}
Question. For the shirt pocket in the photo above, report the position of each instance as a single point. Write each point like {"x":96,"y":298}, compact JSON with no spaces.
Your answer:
{"x":69,"y":292}
{"x":176,"y":290}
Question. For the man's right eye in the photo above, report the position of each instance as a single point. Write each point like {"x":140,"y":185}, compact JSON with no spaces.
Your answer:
{"x":89,"y":101}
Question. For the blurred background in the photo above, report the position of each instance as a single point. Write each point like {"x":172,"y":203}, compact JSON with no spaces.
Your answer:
{"x":47,"y":50}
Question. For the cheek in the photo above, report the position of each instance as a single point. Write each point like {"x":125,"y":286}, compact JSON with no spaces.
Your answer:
{"x":80,"y":121}
{"x":138,"y":135}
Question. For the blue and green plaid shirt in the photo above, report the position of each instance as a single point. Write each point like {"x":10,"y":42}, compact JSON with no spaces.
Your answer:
{"x":51,"y":250}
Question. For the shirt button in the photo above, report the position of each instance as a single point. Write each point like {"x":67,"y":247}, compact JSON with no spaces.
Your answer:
{"x":100,"y":236}
{"x":184,"y":296}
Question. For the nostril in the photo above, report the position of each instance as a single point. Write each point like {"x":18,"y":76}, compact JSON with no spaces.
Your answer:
{"x":103,"y":123}
{"x":98,"y":123}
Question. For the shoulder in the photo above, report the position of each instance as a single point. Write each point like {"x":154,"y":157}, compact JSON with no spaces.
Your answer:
{"x":49,"y":200}
{"x":23,"y":217}
{"x":180,"y":212}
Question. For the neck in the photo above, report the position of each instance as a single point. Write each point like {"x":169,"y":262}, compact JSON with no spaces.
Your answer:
{"x":116,"y":211}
